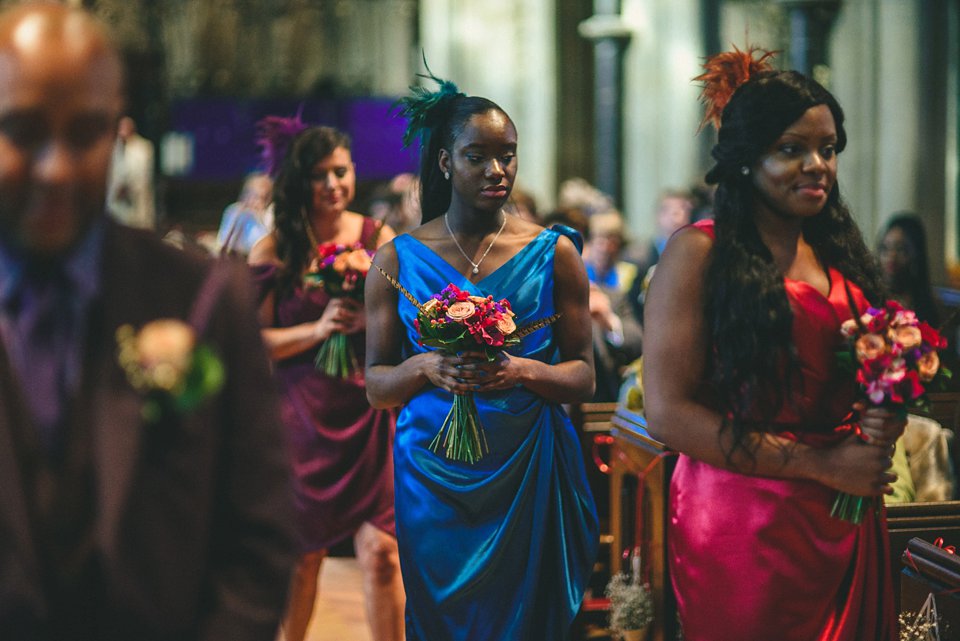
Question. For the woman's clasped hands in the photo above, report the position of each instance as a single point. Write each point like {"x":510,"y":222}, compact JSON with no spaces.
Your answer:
{"x":471,"y":372}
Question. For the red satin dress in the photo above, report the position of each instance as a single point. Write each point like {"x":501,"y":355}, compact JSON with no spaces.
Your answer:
{"x":761,"y":559}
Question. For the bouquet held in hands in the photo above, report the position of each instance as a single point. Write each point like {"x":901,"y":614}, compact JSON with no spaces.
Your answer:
{"x":341,"y":270}
{"x":895,"y":356}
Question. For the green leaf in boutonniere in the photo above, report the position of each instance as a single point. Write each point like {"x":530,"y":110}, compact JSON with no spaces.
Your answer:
{"x":164,"y":362}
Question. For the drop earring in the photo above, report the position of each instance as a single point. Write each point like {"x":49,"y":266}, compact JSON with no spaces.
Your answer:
{"x":745,"y":170}
{"x":446,"y":175}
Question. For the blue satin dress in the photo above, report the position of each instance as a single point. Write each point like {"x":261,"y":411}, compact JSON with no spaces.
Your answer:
{"x":501,"y":549}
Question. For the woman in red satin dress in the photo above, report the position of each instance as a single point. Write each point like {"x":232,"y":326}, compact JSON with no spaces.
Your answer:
{"x":742,"y":322}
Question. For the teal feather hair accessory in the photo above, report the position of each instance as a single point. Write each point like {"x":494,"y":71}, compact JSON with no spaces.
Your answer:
{"x":424,"y":107}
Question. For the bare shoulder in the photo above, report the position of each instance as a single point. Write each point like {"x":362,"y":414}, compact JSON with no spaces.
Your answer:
{"x":386,"y":257}
{"x":430,"y":232}
{"x":682,"y":266}
{"x":264,"y":251}
{"x":688,"y":244}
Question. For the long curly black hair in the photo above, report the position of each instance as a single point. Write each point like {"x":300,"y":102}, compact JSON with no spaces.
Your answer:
{"x":293,"y":196}
{"x":746,"y":306}
{"x":438,"y":117}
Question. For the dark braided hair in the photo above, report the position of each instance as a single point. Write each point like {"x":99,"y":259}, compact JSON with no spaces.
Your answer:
{"x":438,"y":118}
{"x":746,"y":306}
{"x":293,"y":197}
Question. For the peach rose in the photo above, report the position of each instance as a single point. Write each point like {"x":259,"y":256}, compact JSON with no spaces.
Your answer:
{"x":908,"y":336}
{"x":927,"y":366}
{"x":164,"y":349}
{"x":461,"y":310}
{"x":506,"y":325}
{"x":477,"y":299}
{"x":359,"y":260}
{"x":430,"y":305}
{"x":340,"y":262}
{"x":870,"y":346}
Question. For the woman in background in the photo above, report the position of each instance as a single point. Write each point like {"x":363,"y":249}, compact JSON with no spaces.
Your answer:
{"x":342,"y":448}
{"x":903,"y":258}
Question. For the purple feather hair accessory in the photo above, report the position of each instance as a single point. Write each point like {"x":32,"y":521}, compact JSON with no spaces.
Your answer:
{"x":275,"y":135}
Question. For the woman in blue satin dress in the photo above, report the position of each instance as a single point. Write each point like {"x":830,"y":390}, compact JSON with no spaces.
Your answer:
{"x":501,"y":548}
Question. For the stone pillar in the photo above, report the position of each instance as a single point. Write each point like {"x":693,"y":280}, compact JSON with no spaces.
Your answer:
{"x":610,"y":35}
{"x":810,"y":23}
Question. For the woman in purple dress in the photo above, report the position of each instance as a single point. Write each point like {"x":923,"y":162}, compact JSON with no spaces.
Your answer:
{"x":341,"y":447}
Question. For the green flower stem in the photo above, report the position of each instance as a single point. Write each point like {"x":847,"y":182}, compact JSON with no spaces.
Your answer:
{"x":461,"y":435}
{"x":336,"y":357}
{"x":853,"y":508}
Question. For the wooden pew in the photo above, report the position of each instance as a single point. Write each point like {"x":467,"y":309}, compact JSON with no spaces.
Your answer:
{"x":592,"y":420}
{"x":636,"y":453}
{"x":932,"y":570}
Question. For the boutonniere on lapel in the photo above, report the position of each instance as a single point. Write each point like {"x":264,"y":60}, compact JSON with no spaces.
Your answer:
{"x":163,"y":362}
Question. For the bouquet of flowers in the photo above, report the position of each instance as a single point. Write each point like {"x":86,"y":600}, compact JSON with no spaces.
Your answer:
{"x":455,"y":321}
{"x":895,"y":355}
{"x":341,"y":271}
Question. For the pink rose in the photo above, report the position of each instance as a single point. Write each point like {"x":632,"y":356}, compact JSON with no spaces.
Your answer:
{"x":849,"y":328}
{"x":904,"y":317}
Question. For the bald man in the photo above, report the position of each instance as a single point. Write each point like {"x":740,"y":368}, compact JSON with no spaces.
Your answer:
{"x":130,"y":508}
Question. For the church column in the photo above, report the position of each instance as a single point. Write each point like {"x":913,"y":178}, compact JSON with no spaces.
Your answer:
{"x":810,"y":24}
{"x":610,"y":35}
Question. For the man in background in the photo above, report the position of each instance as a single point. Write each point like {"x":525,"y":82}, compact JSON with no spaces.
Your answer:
{"x":144,"y":489}
{"x":130,"y":193}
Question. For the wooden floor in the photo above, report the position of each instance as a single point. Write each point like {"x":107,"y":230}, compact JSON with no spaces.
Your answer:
{"x":338,"y":614}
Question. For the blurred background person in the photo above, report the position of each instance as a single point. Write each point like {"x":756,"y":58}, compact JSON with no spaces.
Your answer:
{"x":397,"y":204}
{"x":617,"y":338}
{"x":341,"y":447}
{"x":902,"y":251}
{"x":675,"y":209}
{"x":523,"y":204}
{"x":130,"y":188}
{"x":249,"y":219}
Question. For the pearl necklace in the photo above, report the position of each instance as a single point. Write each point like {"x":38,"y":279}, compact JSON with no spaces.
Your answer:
{"x":476,"y":265}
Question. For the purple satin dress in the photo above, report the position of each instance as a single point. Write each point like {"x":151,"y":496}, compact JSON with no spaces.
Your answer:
{"x":341,"y":447}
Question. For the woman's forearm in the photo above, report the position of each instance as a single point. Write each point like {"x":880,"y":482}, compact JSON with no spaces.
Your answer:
{"x":696,"y":431}
{"x":568,"y":382}
{"x":284,"y":342}
{"x":393,"y":385}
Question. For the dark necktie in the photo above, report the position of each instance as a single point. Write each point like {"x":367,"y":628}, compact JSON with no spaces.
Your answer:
{"x":44,"y":321}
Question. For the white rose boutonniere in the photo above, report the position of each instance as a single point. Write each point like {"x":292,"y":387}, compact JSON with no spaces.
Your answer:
{"x":164,"y":362}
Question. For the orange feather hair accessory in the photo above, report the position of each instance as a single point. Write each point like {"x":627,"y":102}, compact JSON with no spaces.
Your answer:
{"x":723,"y":73}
